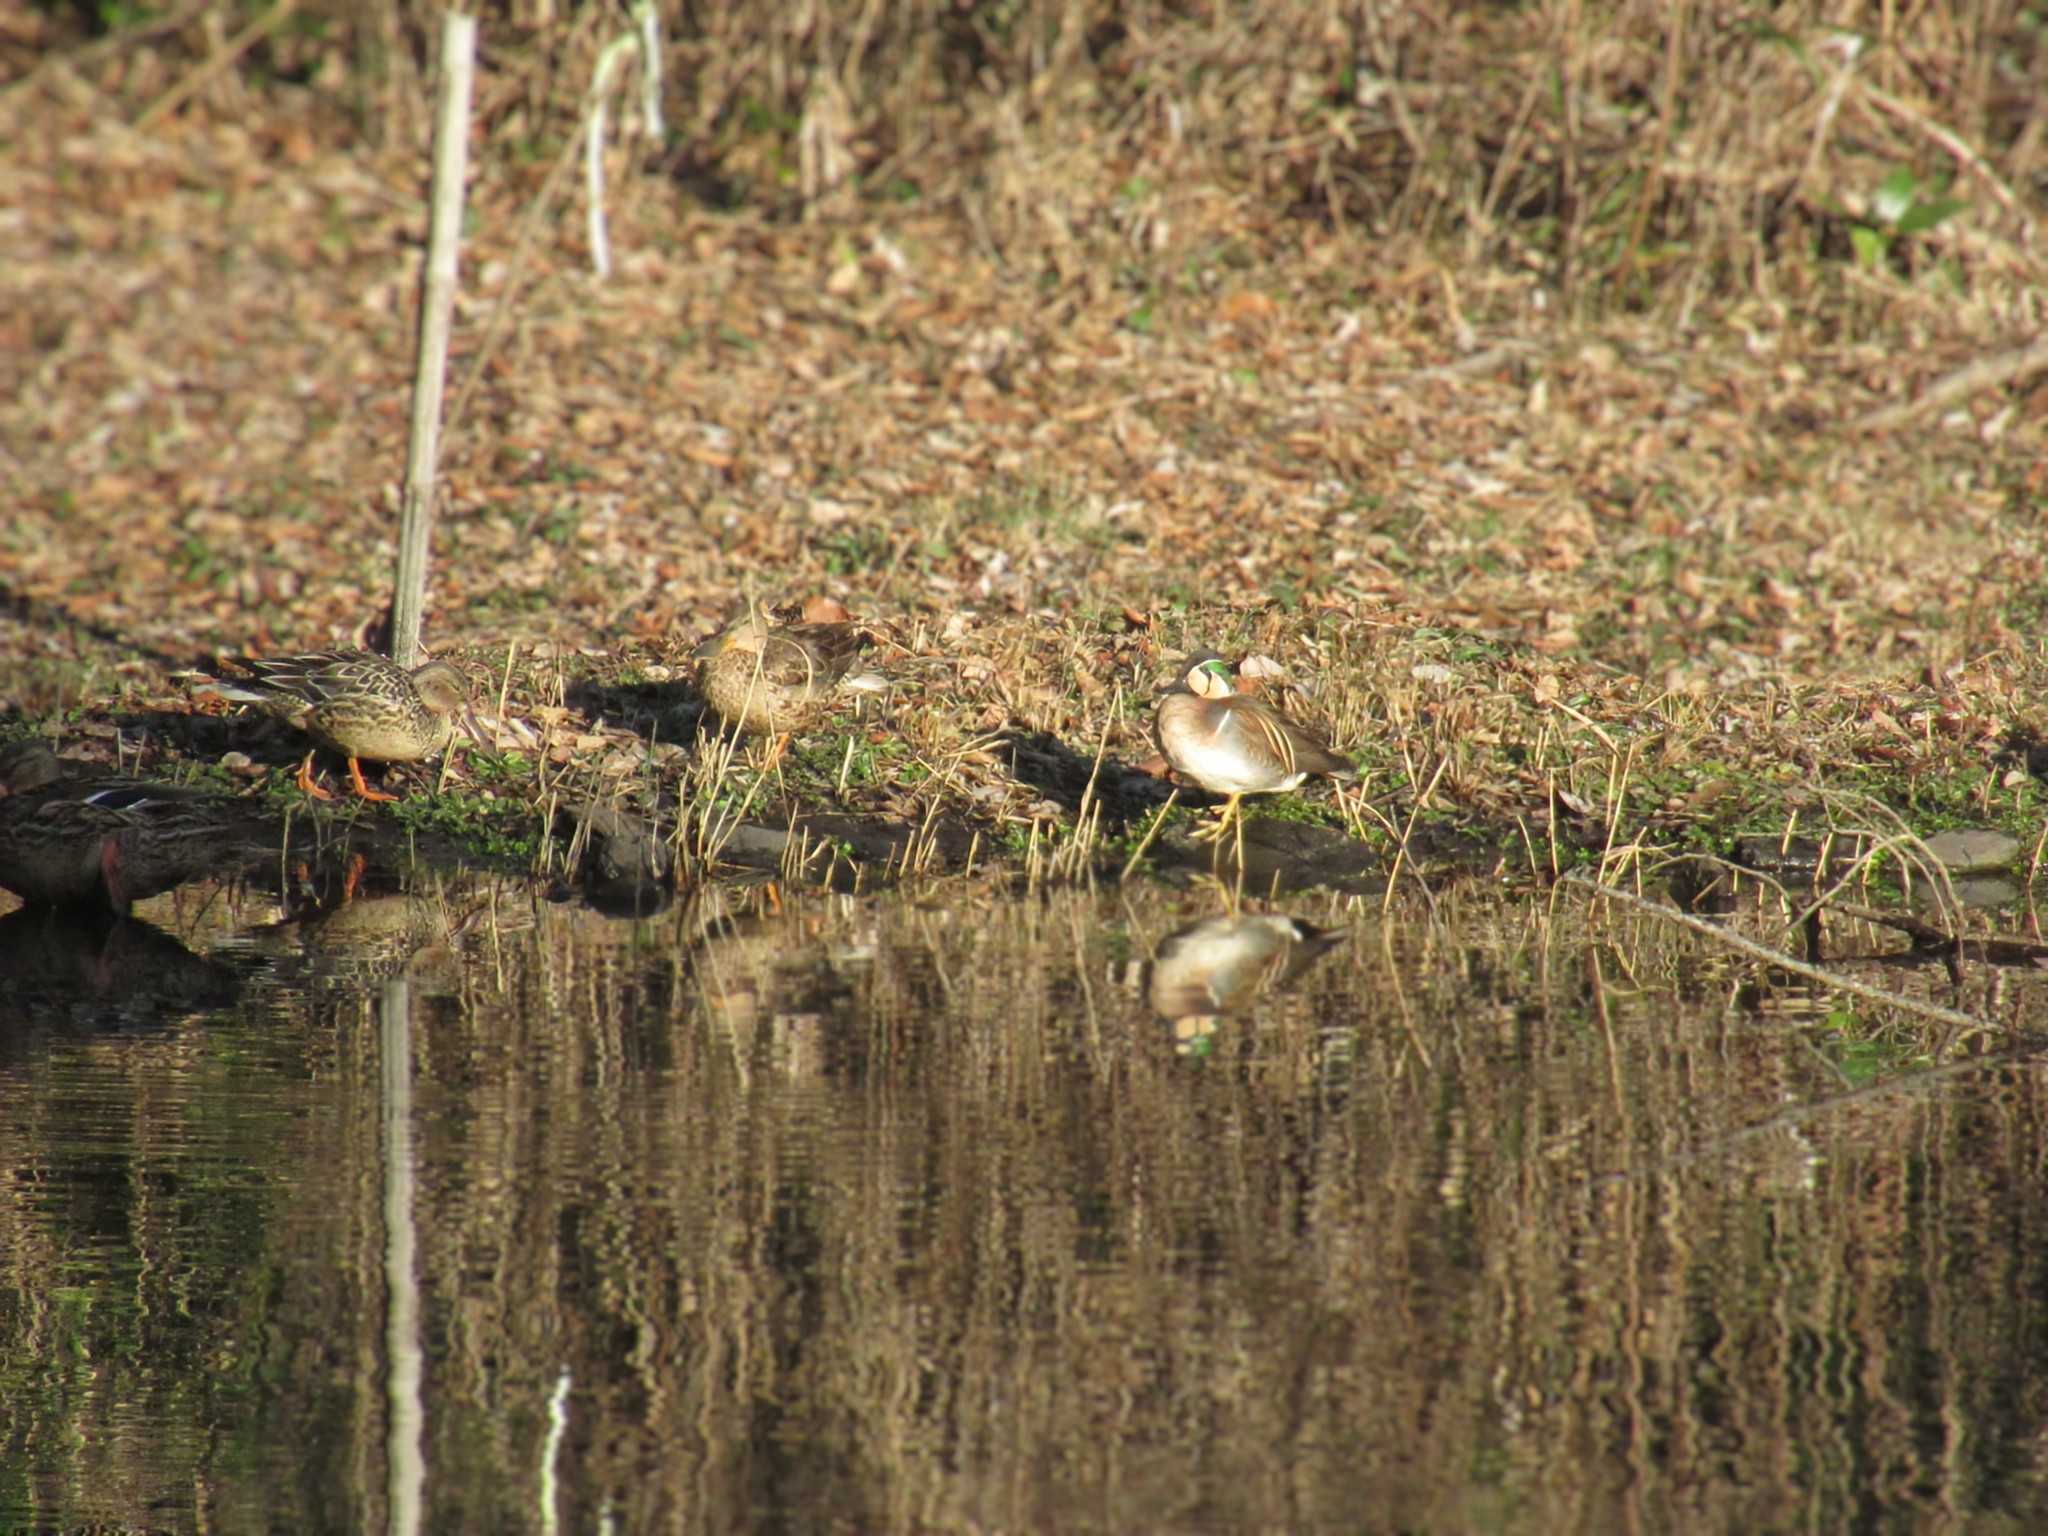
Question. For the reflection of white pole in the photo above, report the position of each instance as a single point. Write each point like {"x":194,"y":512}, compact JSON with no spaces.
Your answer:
{"x":558,"y":1428}
{"x":404,"y":1456}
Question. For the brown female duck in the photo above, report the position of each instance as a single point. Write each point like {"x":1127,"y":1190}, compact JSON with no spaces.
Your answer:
{"x":772,"y":678}
{"x":357,"y":703}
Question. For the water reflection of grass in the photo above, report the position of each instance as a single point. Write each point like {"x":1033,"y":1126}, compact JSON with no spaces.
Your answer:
{"x":926,"y":1170}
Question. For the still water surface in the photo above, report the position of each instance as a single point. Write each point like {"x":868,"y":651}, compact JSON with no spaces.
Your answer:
{"x":462,"y":1211}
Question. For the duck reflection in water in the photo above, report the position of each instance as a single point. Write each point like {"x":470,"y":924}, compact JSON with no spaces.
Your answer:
{"x":773,"y":987}
{"x":98,"y":971}
{"x":1222,"y":965}
{"x":355,"y":925}
{"x":373,"y":939}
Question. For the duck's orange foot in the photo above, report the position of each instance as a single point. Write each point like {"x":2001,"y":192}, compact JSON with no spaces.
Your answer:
{"x":355,"y":775}
{"x":306,"y":780}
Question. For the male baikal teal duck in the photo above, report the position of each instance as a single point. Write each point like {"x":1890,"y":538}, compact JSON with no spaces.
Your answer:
{"x":773,"y":678}
{"x":108,"y":840}
{"x":357,"y":703}
{"x":1236,"y":744}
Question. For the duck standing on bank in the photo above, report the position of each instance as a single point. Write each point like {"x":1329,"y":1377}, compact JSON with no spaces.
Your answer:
{"x":1236,"y":744}
{"x":357,"y":703}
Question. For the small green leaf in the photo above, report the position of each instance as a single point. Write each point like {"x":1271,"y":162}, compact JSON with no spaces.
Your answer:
{"x":1870,"y":246}
{"x":1895,"y":195}
{"x":1926,"y":215}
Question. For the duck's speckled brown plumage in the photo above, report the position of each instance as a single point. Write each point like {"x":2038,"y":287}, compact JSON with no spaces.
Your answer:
{"x":108,"y":840}
{"x":771,"y":678}
{"x":356,"y":703}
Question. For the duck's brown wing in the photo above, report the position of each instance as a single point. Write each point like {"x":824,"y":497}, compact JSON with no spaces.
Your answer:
{"x":1285,"y":741}
{"x":1313,"y":753}
{"x":808,"y":657}
{"x":313,"y":678}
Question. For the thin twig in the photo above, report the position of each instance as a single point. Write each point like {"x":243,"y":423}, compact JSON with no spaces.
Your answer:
{"x":193,"y":83}
{"x":1797,"y":1115}
{"x":1779,"y":958}
{"x":1401,"y":852}
{"x":1984,"y":373}
{"x":1151,"y":832}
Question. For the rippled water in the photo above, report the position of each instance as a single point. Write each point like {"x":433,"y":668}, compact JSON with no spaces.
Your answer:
{"x":463,"y":1211}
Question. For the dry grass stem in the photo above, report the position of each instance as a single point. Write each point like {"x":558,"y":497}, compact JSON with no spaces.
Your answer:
{"x":1934,"y":1012}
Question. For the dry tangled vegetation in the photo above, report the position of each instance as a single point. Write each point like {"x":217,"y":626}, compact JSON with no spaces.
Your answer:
{"x":1608,"y":430}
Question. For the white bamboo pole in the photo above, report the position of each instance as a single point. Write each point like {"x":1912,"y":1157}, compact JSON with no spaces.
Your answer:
{"x":437,"y":309}
{"x":647,"y":41}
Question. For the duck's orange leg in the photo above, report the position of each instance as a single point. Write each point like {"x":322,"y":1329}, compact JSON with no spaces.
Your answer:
{"x":306,"y":780}
{"x":355,"y":776}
